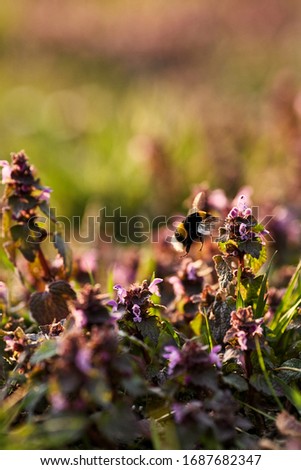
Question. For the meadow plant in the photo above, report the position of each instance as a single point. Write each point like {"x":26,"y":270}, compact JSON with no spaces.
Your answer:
{"x":207,"y":356}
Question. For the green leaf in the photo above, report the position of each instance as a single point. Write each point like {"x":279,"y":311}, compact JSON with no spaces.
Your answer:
{"x":6,"y":221}
{"x":18,"y":204}
{"x":239,"y":300}
{"x":258,"y":228}
{"x":20,"y":234}
{"x":10,"y":251}
{"x":110,"y":281}
{"x":6,"y":260}
{"x":171,"y":331}
{"x":48,"y":211}
{"x":289,"y":291}
{"x":266,"y":375}
{"x":225,"y":245}
{"x":236,"y":381}
{"x":256,"y":263}
{"x":262,"y":298}
{"x":291,"y":393}
{"x":285,"y":319}
{"x":164,"y":435}
{"x":290,"y":370}
{"x":289,"y":303}
{"x":149,"y":329}
{"x":294,"y":349}
{"x":259,"y":382}
{"x":252,"y":286}
{"x":61,"y":429}
{"x":135,"y":341}
{"x":196,"y":324}
{"x":117,"y":423}
{"x":206,"y":378}
{"x":251,"y":247}
{"x":47,"y":350}
{"x":34,"y":396}
{"x":64,"y":251}
{"x":230,"y":367}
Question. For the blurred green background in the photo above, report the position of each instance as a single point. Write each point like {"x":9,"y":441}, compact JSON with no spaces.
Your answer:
{"x":132,"y":102}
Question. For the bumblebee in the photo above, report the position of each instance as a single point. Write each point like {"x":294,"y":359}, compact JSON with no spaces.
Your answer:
{"x":193,"y":228}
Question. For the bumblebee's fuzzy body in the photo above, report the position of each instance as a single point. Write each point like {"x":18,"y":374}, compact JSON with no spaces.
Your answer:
{"x":193,"y":228}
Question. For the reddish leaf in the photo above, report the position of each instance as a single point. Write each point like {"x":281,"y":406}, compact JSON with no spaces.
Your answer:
{"x":53,"y":304}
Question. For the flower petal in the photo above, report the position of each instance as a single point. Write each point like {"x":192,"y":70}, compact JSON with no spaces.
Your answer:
{"x":121,"y":292}
{"x":6,"y":171}
{"x":113,"y":303}
{"x":136,"y":312}
{"x":153,"y":288}
{"x":45,"y":194}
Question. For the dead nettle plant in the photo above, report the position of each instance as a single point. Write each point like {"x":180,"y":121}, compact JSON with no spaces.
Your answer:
{"x":205,"y":358}
{"x":24,"y":201}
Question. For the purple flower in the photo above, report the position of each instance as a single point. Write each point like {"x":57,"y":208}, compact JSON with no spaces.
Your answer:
{"x":218,"y":199}
{"x":136,"y":312}
{"x":173,"y":355}
{"x":153,"y":288}
{"x":121,"y":292}
{"x":10,"y":343}
{"x":264,"y":232}
{"x":186,"y":410}
{"x":83,"y":360}
{"x":242,"y":339}
{"x":244,"y":329}
{"x":59,"y":402}
{"x":88,"y":261}
{"x":247,"y":212}
{"x":243,"y":231}
{"x":257,"y":330}
{"x":3,"y":293}
{"x":241,"y":209}
{"x":113,"y":304}
{"x":177,"y":285}
{"x":116,"y":312}
{"x":233,"y":213}
{"x":191,"y":272}
{"x":262,"y":235}
{"x":242,"y":206}
{"x":214,"y":357}
{"x":178,"y":412}
{"x":80,"y":318}
{"x":6,"y":171}
{"x":45,"y":194}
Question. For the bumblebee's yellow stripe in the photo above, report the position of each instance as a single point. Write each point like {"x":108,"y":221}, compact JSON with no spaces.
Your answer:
{"x":181,"y":231}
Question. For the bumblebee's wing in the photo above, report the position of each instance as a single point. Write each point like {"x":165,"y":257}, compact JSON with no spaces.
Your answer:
{"x":198,"y":203}
{"x":179,"y":236}
{"x":178,"y":246}
{"x":208,"y":225}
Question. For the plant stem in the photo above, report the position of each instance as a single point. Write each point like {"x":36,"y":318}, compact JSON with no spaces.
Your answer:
{"x":248,"y":363}
{"x":47,"y":273}
{"x":266,"y":415}
{"x":241,"y":260}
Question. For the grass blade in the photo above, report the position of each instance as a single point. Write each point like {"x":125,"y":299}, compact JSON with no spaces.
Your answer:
{"x":263,"y":289}
{"x":264,"y":371}
{"x":288,"y":298}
